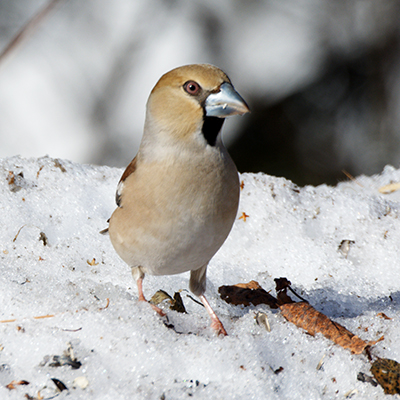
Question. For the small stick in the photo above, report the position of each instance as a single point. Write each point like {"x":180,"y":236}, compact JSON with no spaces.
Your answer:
{"x":44,"y":316}
{"x":351,"y":177}
{"x":106,"y":306}
{"x":19,"y":230}
{"x":28,"y":28}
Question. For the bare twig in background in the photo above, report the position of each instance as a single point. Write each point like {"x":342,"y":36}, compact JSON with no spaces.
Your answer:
{"x":351,"y":177}
{"x":28,"y":29}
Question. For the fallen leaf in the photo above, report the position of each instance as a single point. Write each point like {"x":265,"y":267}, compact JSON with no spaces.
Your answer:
{"x":387,"y":189}
{"x":59,"y":361}
{"x":249,"y":285}
{"x":383,"y":315}
{"x":15,"y":182}
{"x":366,"y":379}
{"x":246,"y":294}
{"x":307,"y":317}
{"x":302,"y":314}
{"x":278,"y":371}
{"x":387,"y":373}
{"x":43,"y":238}
{"x":10,"y":178}
{"x":38,"y":173}
{"x":281,"y":286}
{"x":244,"y":216}
{"x":58,"y":164}
{"x":60,"y":385}
{"x":68,"y":358}
{"x":176,"y":303}
{"x":12,"y":385}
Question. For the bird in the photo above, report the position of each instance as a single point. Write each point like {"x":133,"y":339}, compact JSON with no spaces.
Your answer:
{"x":178,"y":198}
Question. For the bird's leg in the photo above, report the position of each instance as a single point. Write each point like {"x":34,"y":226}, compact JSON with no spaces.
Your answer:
{"x":158,"y":310}
{"x":216,"y":324}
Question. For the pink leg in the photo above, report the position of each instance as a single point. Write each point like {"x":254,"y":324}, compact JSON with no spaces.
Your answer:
{"x":216,"y":324}
{"x":142,"y":298}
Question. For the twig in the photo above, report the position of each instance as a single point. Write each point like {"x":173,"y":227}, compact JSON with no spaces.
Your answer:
{"x":28,"y":28}
{"x":19,"y":230}
{"x":351,"y":177}
{"x":44,"y":316}
{"x":106,"y":306}
{"x":196,"y":301}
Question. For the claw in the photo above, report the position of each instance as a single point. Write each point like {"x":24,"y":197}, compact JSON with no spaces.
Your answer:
{"x":216,"y":324}
{"x":158,"y":310}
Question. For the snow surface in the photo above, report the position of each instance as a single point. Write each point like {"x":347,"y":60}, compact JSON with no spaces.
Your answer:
{"x":127,"y":351}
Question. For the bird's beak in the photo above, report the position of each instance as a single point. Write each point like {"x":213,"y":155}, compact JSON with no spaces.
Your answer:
{"x":226,"y":102}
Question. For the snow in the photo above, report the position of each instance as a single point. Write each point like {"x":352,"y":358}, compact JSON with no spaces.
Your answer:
{"x":128,"y":352}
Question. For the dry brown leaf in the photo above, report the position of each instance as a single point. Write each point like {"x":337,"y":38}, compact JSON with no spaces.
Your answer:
{"x":176,"y":303}
{"x":159,"y":296}
{"x":10,"y":178}
{"x":387,"y":373}
{"x":244,"y":216}
{"x":58,"y":164}
{"x":387,"y":189}
{"x":38,"y":173}
{"x":383,"y":315}
{"x":12,"y":385}
{"x":246,"y":293}
{"x":307,"y":317}
{"x":281,"y":287}
{"x":249,"y":285}
{"x":302,"y":314}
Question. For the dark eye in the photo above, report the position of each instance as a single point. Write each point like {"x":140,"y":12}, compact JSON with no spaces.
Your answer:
{"x":192,"y":87}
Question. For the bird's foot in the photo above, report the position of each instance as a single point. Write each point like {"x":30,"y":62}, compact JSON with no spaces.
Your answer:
{"x":216,"y":324}
{"x":158,"y":310}
{"x":218,"y":327}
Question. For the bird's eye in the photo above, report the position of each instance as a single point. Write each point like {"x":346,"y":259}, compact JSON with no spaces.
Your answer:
{"x":192,"y":87}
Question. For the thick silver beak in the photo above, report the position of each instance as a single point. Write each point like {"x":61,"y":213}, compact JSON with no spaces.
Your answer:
{"x":225,"y":103}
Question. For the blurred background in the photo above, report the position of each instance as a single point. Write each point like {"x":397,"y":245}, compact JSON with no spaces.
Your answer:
{"x":321,"y":77}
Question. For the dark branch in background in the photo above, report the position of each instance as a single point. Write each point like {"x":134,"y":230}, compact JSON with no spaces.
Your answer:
{"x":28,"y":29}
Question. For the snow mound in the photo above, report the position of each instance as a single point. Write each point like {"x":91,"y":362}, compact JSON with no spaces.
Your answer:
{"x":62,"y":286}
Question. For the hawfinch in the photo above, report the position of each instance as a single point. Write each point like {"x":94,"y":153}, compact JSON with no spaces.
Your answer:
{"x":177,"y":200}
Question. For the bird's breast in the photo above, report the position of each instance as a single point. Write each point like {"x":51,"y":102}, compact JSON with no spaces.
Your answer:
{"x":176,"y":215}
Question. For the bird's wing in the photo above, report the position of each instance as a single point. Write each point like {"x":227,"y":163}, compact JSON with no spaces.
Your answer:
{"x":130,"y":169}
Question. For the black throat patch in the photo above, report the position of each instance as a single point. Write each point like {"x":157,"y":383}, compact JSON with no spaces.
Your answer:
{"x":211,"y":128}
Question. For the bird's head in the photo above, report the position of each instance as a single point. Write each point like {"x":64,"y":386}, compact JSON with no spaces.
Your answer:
{"x":190,"y":100}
